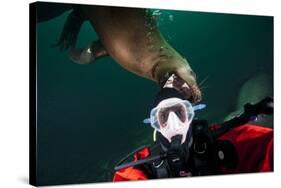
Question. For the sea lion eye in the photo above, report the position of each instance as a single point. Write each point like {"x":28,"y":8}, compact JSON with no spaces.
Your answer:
{"x":192,"y":74}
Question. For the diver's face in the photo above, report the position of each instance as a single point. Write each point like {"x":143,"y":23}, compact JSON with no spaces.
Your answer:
{"x":173,"y":117}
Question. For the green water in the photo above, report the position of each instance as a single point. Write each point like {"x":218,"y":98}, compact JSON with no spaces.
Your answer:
{"x":90,"y":116}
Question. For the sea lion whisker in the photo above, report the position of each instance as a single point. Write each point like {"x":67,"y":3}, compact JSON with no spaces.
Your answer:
{"x":203,"y":81}
{"x":204,"y":88}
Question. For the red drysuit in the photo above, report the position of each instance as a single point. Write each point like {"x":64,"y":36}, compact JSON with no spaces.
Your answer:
{"x":253,"y":144}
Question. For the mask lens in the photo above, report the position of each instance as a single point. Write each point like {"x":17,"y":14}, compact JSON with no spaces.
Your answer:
{"x":178,"y":109}
{"x":163,"y":115}
{"x":159,"y":115}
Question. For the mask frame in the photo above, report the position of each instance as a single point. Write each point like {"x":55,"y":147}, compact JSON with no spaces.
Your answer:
{"x":175,"y":126}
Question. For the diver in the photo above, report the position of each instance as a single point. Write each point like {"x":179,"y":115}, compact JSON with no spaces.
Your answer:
{"x":184,"y":146}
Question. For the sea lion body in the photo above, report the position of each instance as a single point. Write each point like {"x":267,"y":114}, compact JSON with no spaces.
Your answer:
{"x":131,"y":37}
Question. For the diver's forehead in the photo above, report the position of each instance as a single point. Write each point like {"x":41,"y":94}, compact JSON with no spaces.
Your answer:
{"x":169,"y":102}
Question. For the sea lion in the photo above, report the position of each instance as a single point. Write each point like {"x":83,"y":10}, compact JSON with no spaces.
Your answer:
{"x":253,"y":90}
{"x":131,"y":37}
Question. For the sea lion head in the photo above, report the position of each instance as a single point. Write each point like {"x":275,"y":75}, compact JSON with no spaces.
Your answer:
{"x":184,"y":79}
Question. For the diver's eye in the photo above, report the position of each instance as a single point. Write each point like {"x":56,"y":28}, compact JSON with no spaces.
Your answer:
{"x":192,"y":73}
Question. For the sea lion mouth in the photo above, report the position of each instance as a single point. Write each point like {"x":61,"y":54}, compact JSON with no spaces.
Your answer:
{"x":190,"y":91}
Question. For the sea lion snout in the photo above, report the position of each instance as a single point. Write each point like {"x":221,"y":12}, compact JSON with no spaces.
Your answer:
{"x":184,"y":79}
{"x":186,"y":83}
{"x":189,"y":77}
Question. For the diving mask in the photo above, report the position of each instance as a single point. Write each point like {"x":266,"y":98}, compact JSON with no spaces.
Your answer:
{"x":173,"y":116}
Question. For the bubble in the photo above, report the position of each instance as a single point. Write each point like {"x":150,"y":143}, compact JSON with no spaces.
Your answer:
{"x":156,"y":13}
{"x":148,"y":34}
{"x":171,"y":17}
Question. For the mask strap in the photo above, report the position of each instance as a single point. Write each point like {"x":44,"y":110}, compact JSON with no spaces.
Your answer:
{"x":147,"y":121}
{"x":199,"y":107}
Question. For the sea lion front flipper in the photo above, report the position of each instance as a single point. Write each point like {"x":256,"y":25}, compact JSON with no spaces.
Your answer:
{"x":87,"y":55}
{"x":71,"y":29}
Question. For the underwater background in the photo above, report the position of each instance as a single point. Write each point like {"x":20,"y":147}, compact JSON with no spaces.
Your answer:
{"x":90,"y":116}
